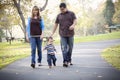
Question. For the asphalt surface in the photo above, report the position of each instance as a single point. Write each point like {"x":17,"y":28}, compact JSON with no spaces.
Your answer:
{"x":87,"y":60}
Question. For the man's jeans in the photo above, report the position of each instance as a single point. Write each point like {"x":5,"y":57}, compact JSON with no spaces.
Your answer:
{"x":67,"y":47}
{"x":36,"y":42}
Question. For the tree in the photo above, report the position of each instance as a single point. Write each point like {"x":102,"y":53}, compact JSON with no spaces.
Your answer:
{"x":19,"y":5}
{"x":1,"y":34}
{"x":116,"y":18}
{"x":86,"y":19}
{"x":99,"y":20}
{"x":63,"y":1}
{"x":109,"y":12}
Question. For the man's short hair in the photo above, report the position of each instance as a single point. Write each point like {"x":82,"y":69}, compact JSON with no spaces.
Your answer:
{"x":62,"y":5}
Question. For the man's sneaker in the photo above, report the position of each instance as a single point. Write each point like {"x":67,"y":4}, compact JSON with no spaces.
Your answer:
{"x":39,"y":64}
{"x":50,"y":67}
{"x":71,"y":64}
{"x":65,"y":65}
{"x":33,"y":65}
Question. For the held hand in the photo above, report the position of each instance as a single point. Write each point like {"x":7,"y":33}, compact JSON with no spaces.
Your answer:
{"x":71,"y":27}
{"x":55,"y":52}
{"x":41,"y":36}
{"x":51,"y":35}
{"x":43,"y":50}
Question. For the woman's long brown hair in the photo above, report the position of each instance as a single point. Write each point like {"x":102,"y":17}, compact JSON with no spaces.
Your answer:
{"x":38,"y":14}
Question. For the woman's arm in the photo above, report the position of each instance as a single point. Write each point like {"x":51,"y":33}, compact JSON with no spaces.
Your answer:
{"x":28,"y":30}
{"x":42,"y":27}
{"x":42,"y":24}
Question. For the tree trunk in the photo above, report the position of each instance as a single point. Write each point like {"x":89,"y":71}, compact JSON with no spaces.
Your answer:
{"x":17,"y":5}
{"x":0,"y":39}
{"x":85,"y":31}
{"x":24,"y":31}
{"x":63,"y":1}
{"x":9,"y":39}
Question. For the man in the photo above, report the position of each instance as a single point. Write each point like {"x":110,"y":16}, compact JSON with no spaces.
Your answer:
{"x":66,"y":21}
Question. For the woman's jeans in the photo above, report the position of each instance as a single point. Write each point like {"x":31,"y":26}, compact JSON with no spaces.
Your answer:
{"x":36,"y":42}
{"x":67,"y":47}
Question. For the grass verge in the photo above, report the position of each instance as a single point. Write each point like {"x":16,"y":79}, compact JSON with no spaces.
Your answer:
{"x":109,"y":36}
{"x":112,"y":56}
{"x":11,"y":53}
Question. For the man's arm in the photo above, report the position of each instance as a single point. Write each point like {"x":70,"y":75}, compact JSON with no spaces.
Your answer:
{"x":54,"y":29}
{"x":73,"y":25}
{"x":74,"y":22}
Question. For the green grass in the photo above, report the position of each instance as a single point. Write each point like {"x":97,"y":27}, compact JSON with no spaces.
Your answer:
{"x":109,"y":36}
{"x":112,"y":56}
{"x":100,"y":37}
{"x":10,"y":53}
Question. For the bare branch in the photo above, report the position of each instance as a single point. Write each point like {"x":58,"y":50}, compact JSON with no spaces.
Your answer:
{"x":19,"y":2}
{"x":6,"y":4}
{"x":41,"y":9}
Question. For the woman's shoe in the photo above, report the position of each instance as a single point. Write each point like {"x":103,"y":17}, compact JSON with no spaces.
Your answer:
{"x":33,"y":65}
{"x":71,"y":64}
{"x":54,"y":64}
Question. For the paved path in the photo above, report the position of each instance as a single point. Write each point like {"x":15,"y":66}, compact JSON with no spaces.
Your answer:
{"x":88,"y":65}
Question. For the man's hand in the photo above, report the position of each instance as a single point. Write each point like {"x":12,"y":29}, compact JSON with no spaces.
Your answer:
{"x":51,"y":35}
{"x":71,"y":27}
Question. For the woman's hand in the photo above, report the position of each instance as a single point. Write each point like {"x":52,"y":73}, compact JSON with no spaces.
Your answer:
{"x":41,"y":36}
{"x":27,"y":39}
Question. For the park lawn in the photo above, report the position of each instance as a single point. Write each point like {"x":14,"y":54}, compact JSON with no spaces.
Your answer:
{"x":10,"y":53}
{"x":112,"y":56}
{"x":100,"y":37}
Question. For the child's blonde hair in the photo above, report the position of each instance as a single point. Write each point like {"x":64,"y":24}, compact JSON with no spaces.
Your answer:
{"x":49,"y":38}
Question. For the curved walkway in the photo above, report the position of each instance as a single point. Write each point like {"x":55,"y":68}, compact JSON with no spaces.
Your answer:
{"x":88,"y":65}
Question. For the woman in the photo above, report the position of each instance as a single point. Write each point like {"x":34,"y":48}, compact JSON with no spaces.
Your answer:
{"x":34,"y":33}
